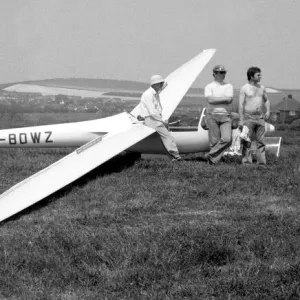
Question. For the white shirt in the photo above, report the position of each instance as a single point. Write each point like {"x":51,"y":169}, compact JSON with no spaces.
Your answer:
{"x":150,"y":105}
{"x":219,"y":89}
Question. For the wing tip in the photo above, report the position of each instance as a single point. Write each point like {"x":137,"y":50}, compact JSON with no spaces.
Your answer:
{"x":213,"y":50}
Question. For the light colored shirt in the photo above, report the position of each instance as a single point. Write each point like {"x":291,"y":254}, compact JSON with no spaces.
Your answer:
{"x":150,"y":105}
{"x":219,"y":89}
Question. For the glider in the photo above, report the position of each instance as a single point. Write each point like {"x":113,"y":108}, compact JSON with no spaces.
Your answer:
{"x":102,"y":139}
{"x":99,"y":141}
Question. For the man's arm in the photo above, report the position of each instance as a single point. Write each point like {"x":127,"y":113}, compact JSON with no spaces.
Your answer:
{"x":149,"y":107}
{"x":218,"y":100}
{"x":226,"y":99}
{"x":267,"y":104}
{"x":241,"y":106}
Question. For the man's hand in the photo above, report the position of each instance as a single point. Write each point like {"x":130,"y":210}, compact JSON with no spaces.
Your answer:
{"x":166,"y":123}
{"x":140,"y":118}
{"x":267,"y":116}
{"x":241,"y":125}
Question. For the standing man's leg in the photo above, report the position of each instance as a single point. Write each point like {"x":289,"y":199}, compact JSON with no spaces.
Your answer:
{"x":213,"y":135}
{"x":213,"y":131}
{"x":220,"y":137}
{"x":260,"y":139}
{"x":226,"y":134}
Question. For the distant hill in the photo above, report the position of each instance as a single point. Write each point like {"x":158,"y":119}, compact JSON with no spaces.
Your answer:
{"x":5,"y":85}
{"x":91,"y":83}
{"x":135,"y":88}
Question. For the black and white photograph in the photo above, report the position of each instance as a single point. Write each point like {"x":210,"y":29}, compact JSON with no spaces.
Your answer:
{"x":149,"y":150}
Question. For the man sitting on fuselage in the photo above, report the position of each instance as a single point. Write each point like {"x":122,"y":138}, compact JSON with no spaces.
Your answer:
{"x":152,"y":114}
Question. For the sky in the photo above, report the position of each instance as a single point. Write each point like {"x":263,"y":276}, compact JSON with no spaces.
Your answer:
{"x":134,"y":39}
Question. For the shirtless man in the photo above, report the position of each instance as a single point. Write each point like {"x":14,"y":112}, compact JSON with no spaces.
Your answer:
{"x":253,"y":102}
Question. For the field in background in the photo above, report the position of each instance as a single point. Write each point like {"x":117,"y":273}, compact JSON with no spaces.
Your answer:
{"x":132,"y":90}
{"x":151,"y":229}
{"x":34,"y":119}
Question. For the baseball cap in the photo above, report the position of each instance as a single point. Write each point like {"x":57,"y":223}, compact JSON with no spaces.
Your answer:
{"x":219,"y":68}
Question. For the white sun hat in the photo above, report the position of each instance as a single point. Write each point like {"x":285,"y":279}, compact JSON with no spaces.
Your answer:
{"x":156,"y":79}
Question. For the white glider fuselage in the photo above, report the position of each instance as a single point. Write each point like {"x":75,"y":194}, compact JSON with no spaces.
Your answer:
{"x":57,"y":135}
{"x":77,"y":134}
{"x":62,"y":135}
{"x":186,"y":141}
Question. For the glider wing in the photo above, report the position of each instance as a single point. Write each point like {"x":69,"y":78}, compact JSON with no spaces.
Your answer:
{"x":179,"y":82}
{"x":68,"y":169}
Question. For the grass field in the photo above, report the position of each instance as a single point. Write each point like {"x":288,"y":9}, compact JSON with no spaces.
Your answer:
{"x":152,"y":229}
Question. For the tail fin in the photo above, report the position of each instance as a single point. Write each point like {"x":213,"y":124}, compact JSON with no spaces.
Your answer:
{"x":202,"y":125}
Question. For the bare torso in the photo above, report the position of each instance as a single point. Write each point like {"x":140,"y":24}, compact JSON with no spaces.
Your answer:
{"x":253,"y":97}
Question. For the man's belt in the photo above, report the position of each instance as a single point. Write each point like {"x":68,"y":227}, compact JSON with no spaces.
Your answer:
{"x":254,"y":113}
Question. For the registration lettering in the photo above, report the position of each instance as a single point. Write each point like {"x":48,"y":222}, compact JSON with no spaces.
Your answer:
{"x":24,"y":138}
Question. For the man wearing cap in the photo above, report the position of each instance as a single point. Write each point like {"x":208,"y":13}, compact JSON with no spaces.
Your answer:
{"x":253,"y":102}
{"x":219,"y":96}
{"x":151,"y":112}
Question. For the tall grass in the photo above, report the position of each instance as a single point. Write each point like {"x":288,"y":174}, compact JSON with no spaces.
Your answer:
{"x":151,"y":229}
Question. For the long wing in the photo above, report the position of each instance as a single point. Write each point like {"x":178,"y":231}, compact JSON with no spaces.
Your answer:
{"x":68,"y":169}
{"x":179,"y":82}
{"x":99,"y":150}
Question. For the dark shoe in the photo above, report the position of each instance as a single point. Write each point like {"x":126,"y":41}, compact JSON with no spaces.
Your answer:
{"x":262,"y":166}
{"x":177,"y":159}
{"x":208,"y":161}
{"x":247,"y":164}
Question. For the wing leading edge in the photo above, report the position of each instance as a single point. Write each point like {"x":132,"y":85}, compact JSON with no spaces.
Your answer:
{"x":68,"y":169}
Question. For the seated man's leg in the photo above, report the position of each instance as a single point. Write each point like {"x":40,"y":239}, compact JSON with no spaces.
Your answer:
{"x":151,"y":122}
{"x":168,"y":141}
{"x":166,"y":138}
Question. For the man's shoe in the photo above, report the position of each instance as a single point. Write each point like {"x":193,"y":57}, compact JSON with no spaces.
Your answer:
{"x":208,"y":159}
{"x":177,"y":159}
{"x":262,"y":166}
